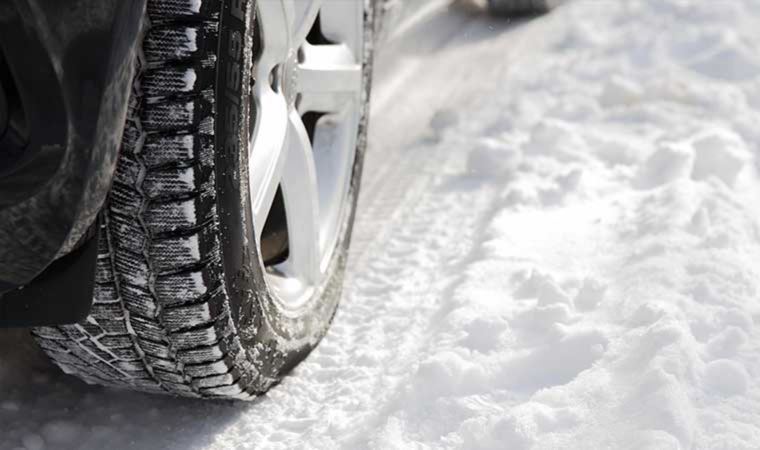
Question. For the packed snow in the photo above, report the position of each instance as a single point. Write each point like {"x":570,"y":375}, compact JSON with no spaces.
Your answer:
{"x":556,"y":247}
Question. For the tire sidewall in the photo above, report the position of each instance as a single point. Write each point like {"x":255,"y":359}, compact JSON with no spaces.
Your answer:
{"x":273,"y":338}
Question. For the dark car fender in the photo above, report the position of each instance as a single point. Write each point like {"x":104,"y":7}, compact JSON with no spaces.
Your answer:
{"x":68,"y":67}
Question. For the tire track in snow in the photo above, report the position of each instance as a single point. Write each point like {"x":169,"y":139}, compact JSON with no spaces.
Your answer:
{"x":392,"y":297}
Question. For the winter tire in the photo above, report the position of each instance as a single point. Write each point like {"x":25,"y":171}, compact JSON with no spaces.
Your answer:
{"x":224,"y":239}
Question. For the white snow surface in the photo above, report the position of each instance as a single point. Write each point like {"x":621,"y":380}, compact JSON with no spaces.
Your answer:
{"x":557,"y":248}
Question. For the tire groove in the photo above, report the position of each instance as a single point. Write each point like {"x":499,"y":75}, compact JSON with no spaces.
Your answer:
{"x":145,"y":202}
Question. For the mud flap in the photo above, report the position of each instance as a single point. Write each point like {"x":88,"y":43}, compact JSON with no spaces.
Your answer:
{"x":62,"y":293}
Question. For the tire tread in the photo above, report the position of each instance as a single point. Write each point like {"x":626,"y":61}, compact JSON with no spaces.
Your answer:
{"x":159,"y":321}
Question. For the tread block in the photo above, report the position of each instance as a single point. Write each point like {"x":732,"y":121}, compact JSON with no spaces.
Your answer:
{"x":166,"y":116}
{"x":156,"y":349}
{"x":174,"y":42}
{"x":173,"y":216}
{"x":76,"y":366}
{"x":114,"y":326}
{"x":49,"y":333}
{"x":103,"y":273}
{"x":131,"y":237}
{"x":168,"y":254}
{"x":103,"y":309}
{"x":117,"y":342}
{"x":148,"y":329}
{"x":184,"y":287}
{"x":106,"y":293}
{"x":182,"y":8}
{"x":125,"y":354}
{"x":103,"y":249}
{"x":124,"y":200}
{"x":147,"y":385}
{"x":93,"y":364}
{"x":127,"y":173}
{"x":210,"y":368}
{"x":215,"y":381}
{"x":200,"y":354}
{"x":187,"y":316}
{"x":89,"y":329}
{"x":194,"y":338}
{"x":182,"y":389}
{"x":132,"y":132}
{"x":54,"y":346}
{"x":138,"y":301}
{"x":133,"y":369}
{"x":169,"y":376}
{"x":162,"y":149}
{"x":232,"y":390}
{"x":174,"y":181}
{"x":132,"y":270}
{"x":90,"y":346}
{"x":173,"y":80}
{"x":161,"y":363}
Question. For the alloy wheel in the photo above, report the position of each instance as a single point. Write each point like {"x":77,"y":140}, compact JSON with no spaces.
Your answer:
{"x":307,"y":89}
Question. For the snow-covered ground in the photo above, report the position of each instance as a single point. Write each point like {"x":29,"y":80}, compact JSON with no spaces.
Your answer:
{"x":557,"y":247}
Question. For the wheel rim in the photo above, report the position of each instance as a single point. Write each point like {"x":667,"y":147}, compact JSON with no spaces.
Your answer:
{"x":307,"y":90}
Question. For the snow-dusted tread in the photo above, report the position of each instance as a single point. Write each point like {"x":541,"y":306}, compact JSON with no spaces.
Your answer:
{"x":161,"y":320}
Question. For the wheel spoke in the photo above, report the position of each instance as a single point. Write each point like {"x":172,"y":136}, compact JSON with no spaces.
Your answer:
{"x":304,"y":15}
{"x":334,"y":150}
{"x":276,"y":34}
{"x":300,"y":193}
{"x":285,"y":25}
{"x":337,"y":18}
{"x":268,"y":153}
{"x":328,"y":76}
